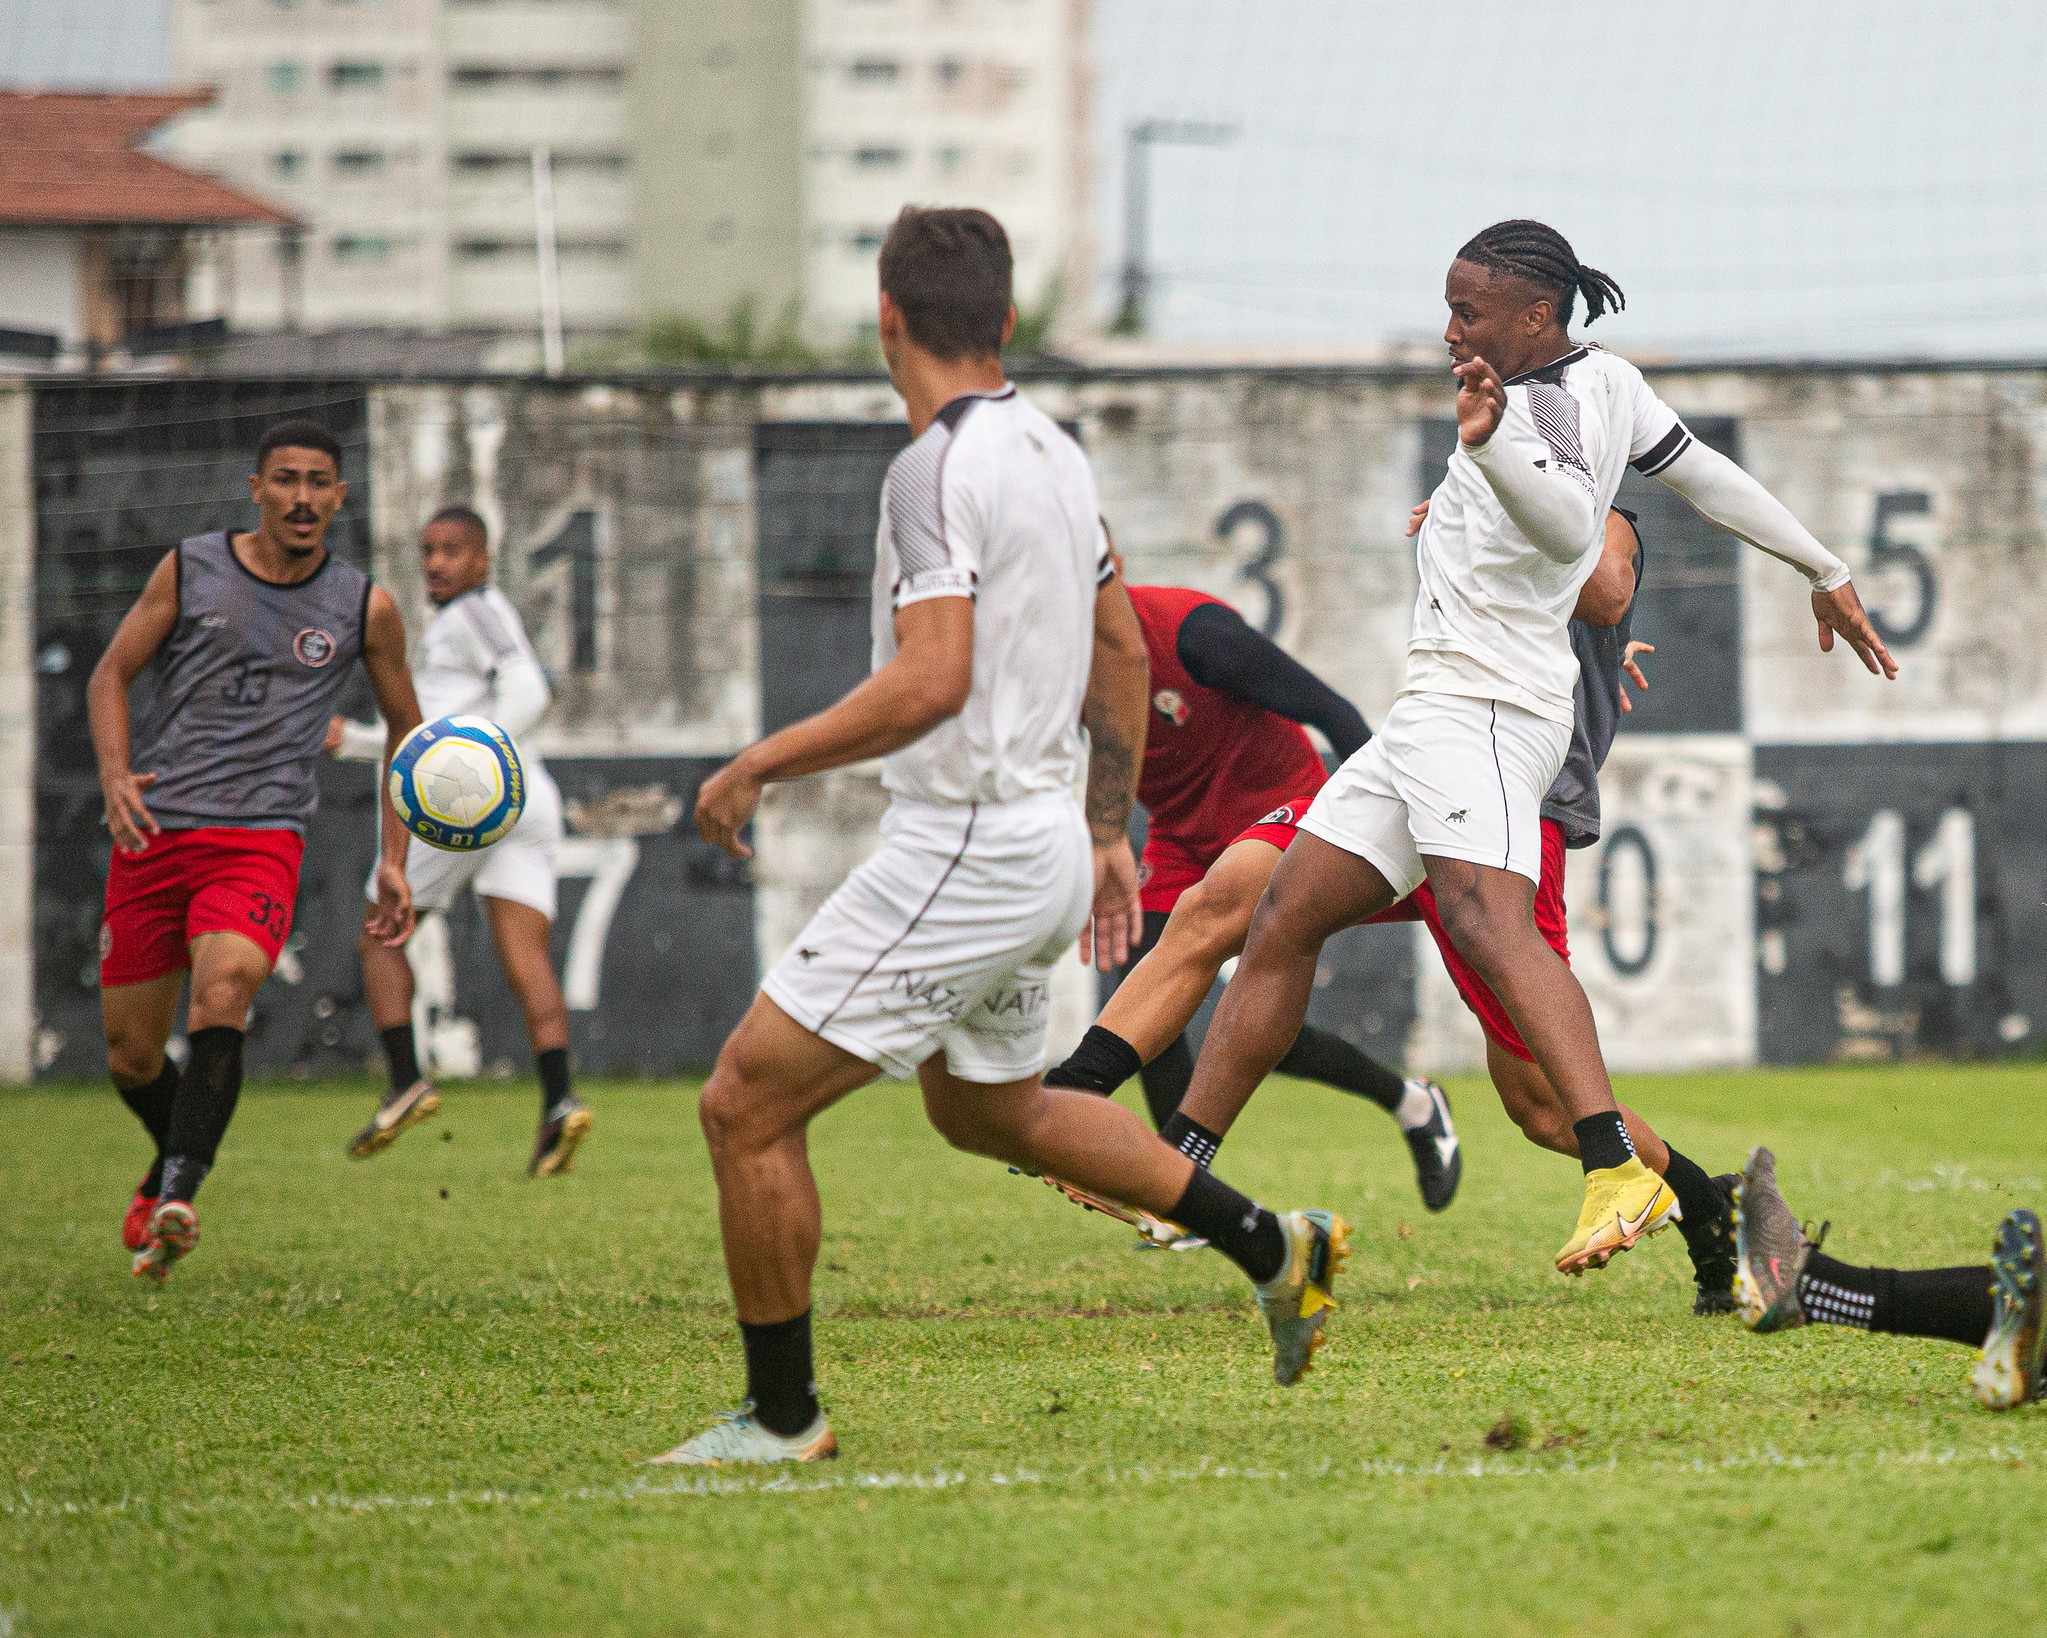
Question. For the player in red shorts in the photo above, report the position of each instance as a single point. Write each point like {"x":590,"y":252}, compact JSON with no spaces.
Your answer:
{"x":1209,"y":924}
{"x":1227,"y":745}
{"x":250,"y":639}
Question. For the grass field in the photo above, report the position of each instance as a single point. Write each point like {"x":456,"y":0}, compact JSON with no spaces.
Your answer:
{"x":411,"y":1395}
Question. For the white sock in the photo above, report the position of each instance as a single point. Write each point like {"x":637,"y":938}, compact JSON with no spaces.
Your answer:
{"x":1416,"y":1107}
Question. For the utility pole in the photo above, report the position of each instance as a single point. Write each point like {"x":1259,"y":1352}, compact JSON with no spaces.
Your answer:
{"x":1138,"y":140}
{"x":551,"y":356}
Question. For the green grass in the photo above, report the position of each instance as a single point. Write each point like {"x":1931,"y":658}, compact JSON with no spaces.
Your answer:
{"x":410,"y":1395}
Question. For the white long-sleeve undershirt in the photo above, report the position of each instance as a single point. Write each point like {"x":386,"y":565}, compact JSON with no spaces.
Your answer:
{"x":1550,"y":507}
{"x":1722,"y":493}
{"x":518,"y":699}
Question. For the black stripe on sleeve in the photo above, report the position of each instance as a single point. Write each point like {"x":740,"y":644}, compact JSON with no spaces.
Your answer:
{"x":1668,"y":448}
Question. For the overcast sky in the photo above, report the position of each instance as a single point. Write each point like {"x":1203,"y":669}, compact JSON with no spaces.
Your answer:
{"x":1763,"y":177}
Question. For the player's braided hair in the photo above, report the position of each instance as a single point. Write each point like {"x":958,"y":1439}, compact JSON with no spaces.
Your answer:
{"x":1538,"y":253}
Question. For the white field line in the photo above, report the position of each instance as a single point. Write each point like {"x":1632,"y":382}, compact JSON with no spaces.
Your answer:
{"x":807,"y":1480}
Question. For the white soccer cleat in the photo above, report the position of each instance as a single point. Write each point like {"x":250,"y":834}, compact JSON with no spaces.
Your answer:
{"x":736,"y":1439}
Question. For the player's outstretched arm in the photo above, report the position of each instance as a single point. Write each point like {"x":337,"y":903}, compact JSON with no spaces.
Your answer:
{"x":141,"y":633}
{"x":925,"y":684}
{"x":383,"y":657}
{"x":1721,"y":492}
{"x":1116,"y":714}
{"x":1221,"y":651}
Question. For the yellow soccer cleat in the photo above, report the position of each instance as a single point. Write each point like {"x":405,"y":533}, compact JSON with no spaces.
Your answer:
{"x":1623,"y":1204}
{"x":1298,"y":1300}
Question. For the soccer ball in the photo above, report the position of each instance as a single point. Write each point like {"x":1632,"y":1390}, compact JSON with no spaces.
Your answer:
{"x":457,"y":783}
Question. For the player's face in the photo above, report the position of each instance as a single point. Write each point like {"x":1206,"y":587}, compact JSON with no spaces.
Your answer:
{"x":453,"y":559}
{"x":1492,"y":318}
{"x":298,"y":491}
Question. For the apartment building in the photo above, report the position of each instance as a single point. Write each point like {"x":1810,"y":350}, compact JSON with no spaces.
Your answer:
{"x":704,"y":152}
{"x":402,"y":133}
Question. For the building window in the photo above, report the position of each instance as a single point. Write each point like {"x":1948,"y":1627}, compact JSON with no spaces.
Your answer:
{"x":287,"y":163}
{"x":875,"y":70}
{"x":877,"y":159}
{"x":484,"y":250}
{"x":949,"y":159}
{"x":948,"y":71}
{"x":867,"y":240}
{"x":479,"y":164}
{"x":285,"y":78}
{"x":362,"y":247}
{"x":358,"y":162}
{"x":484,"y":77}
{"x":348,"y":76}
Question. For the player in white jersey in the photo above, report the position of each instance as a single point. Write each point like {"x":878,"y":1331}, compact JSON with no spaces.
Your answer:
{"x":1451,"y":787}
{"x":476,"y":661}
{"x":999,"y":627}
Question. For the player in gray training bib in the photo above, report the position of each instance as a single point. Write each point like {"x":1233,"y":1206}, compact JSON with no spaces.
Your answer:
{"x":248,"y":640}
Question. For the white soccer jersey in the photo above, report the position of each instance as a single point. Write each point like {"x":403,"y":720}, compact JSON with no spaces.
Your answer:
{"x":996,"y":503}
{"x":475,"y":659}
{"x":1492,"y":617}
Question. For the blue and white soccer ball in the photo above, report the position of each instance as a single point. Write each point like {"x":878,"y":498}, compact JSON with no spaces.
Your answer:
{"x":458,"y":783}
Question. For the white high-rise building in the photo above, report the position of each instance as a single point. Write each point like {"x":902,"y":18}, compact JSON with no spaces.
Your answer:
{"x":402,"y":132}
{"x":705,"y":153}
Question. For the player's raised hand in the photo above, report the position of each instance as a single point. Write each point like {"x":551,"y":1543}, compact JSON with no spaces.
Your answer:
{"x":1633,"y":670}
{"x":1116,"y":923}
{"x":1481,"y":401}
{"x":1416,"y":518}
{"x":725,"y":802}
{"x":393,"y":919}
{"x":1841,"y":610}
{"x":128,"y":816}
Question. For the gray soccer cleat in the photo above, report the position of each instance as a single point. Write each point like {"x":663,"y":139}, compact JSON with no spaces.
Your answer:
{"x":736,"y":1439}
{"x":1297,"y":1301}
{"x":1770,"y":1250}
{"x":2009,"y":1371}
{"x":559,"y":1137}
{"x":416,"y":1103}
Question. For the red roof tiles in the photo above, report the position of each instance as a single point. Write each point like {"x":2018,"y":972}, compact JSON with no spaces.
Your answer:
{"x":68,"y":159}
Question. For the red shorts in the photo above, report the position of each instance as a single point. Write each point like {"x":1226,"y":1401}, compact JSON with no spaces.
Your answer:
{"x":1169,"y":869}
{"x":1420,"y":905}
{"x":188,"y":882}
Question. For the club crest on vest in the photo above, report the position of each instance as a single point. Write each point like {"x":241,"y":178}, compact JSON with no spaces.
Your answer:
{"x":313,"y":646}
{"x":1279,"y":816}
{"x":1168,"y":704}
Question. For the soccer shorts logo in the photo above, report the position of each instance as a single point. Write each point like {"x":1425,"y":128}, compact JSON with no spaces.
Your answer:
{"x":1168,"y":704}
{"x":313,"y":646}
{"x":106,"y":939}
{"x":1279,"y":816}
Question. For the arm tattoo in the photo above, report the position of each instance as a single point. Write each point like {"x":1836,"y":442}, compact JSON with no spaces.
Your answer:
{"x":1111,"y":785}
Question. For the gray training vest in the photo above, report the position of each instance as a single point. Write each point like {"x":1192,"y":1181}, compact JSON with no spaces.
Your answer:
{"x":241,"y":691}
{"x":1573,"y":801}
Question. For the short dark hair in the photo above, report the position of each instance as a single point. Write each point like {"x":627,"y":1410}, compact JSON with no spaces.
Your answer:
{"x":1536,"y":252}
{"x":949,"y":270}
{"x":299,"y":435}
{"x":466,"y":516}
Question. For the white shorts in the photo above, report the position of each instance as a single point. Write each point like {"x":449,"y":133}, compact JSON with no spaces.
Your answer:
{"x":946,"y":938}
{"x":520,"y":867}
{"x":1445,"y":775}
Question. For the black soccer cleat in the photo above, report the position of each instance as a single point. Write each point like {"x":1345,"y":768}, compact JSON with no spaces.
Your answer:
{"x":1438,"y":1156}
{"x":1711,"y":1244}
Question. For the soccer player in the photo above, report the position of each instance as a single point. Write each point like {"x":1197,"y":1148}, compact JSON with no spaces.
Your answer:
{"x":250,"y":638}
{"x":1209,"y":923}
{"x":1450,"y":788}
{"x":475,"y":661}
{"x":1226,"y":745}
{"x":1785,"y":1281}
{"x":999,"y":627}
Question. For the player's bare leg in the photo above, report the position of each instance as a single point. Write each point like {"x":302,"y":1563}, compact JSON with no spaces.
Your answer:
{"x":520,"y":933}
{"x":227,"y":970}
{"x":1489,"y":915}
{"x":1533,"y":1105}
{"x":388,"y":989}
{"x":1317,"y":890}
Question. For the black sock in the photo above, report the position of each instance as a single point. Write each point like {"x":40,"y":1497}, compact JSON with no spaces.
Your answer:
{"x":401,"y":1056}
{"x":1954,"y":1303}
{"x":1166,"y":1079}
{"x":152,"y":1104}
{"x":1240,"y":1228}
{"x":1317,"y":1055}
{"x":1102,"y":1062}
{"x":207,"y":1094}
{"x":553,"y":1065}
{"x":1603,"y":1141}
{"x":1703,"y":1208}
{"x":1192,"y":1139}
{"x":779,"y":1378}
